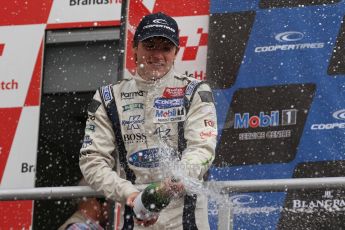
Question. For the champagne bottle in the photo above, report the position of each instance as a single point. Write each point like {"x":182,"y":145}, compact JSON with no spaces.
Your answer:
{"x":151,"y":201}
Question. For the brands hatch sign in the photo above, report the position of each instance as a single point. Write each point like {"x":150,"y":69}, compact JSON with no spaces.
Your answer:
{"x":93,"y":2}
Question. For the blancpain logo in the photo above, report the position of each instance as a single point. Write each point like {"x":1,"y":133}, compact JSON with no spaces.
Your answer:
{"x":289,"y":36}
{"x":286,"y":38}
{"x":326,"y":203}
{"x":328,"y":194}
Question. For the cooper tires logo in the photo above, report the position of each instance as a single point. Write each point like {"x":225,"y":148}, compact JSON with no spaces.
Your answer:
{"x":289,"y":36}
{"x":340,"y":114}
{"x":160,"y":21}
{"x":241,"y":200}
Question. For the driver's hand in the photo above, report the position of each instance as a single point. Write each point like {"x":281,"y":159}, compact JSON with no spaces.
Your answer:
{"x":145,"y":223}
{"x":174,"y":187}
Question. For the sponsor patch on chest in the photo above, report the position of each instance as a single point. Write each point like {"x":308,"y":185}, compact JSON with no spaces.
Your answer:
{"x":165,"y":103}
{"x":146,"y":158}
{"x":173,"y":92}
{"x":175,"y":114}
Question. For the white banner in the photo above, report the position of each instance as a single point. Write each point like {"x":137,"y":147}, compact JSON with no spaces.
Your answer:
{"x":21,"y":163}
{"x":19,"y":53}
{"x":74,"y":11}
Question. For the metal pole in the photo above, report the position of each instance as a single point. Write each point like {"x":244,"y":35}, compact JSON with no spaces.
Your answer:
{"x":225,"y":217}
{"x":47,"y":193}
{"x":225,"y":214}
{"x":277,"y":185}
{"x":274,"y":185}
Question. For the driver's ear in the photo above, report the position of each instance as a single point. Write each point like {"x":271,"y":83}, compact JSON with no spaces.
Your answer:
{"x":177,"y":50}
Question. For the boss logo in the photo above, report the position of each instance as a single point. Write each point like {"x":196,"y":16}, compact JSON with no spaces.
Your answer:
{"x":134,"y":138}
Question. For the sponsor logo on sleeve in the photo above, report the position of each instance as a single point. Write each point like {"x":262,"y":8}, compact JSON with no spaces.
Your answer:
{"x":209,"y":123}
{"x":90,"y":127}
{"x":90,"y":118}
{"x":208,"y":134}
{"x":84,"y":153}
{"x":87,"y":141}
{"x":206,"y":96}
{"x":106,"y":92}
{"x":191,"y":86}
{"x":93,"y":106}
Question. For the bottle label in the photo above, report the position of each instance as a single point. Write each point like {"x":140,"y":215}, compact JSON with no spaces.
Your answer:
{"x":140,"y":211}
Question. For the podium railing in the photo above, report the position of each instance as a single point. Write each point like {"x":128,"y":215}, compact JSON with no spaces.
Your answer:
{"x":224,"y":213}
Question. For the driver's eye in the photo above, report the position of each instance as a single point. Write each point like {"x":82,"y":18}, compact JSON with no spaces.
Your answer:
{"x":149,"y":46}
{"x":167,"y":48}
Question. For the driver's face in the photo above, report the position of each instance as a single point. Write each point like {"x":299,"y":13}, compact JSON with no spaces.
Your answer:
{"x":155,"y":57}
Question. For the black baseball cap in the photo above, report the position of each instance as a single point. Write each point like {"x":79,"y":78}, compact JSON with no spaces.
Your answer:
{"x":157,"y":25}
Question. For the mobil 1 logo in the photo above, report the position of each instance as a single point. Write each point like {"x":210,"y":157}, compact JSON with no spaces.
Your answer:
{"x":322,"y":208}
{"x":264,"y":124}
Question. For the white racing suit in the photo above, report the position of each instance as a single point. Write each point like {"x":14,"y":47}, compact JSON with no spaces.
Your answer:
{"x":175,"y":111}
